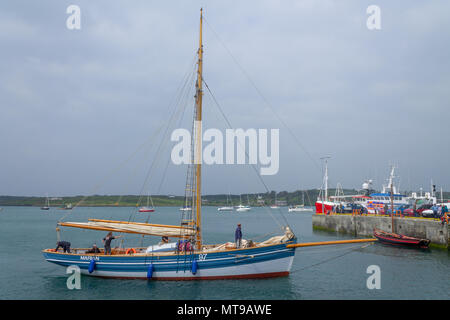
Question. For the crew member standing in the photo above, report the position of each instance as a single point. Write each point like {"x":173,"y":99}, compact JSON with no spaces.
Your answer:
{"x":238,"y":236}
{"x":107,"y":242}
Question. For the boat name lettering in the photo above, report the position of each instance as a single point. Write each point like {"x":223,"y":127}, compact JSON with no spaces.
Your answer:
{"x":89,"y":258}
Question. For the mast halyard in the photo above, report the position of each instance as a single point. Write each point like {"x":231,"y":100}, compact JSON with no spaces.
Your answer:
{"x":198,"y":140}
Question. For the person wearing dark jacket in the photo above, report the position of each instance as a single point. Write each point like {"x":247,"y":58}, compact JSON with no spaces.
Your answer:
{"x":238,"y":236}
{"x":94,"y":249}
{"x":107,"y":242}
{"x":63,"y":244}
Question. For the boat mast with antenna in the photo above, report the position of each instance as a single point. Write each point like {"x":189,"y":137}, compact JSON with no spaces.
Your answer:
{"x":325,"y":182}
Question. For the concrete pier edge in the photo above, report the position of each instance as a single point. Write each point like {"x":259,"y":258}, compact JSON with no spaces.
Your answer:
{"x":363,"y":225}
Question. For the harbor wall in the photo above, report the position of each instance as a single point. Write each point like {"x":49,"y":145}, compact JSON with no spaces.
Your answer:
{"x":363,"y":225}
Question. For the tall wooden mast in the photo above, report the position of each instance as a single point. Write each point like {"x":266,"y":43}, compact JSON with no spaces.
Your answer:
{"x":198,"y":140}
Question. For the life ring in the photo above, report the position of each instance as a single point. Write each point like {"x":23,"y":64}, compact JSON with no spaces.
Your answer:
{"x":130,"y":250}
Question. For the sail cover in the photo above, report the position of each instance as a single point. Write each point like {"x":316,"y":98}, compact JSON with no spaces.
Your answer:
{"x":132,"y":227}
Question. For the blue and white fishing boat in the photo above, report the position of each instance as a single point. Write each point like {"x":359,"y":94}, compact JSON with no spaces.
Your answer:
{"x":188,"y":258}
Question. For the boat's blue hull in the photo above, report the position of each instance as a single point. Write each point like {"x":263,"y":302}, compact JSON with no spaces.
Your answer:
{"x":255,"y":262}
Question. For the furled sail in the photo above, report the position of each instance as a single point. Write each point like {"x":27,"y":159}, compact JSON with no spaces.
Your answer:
{"x":132,"y":227}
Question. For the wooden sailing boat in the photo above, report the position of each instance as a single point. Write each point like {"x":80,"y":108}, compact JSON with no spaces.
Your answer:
{"x":189,"y":258}
{"x":398,"y":239}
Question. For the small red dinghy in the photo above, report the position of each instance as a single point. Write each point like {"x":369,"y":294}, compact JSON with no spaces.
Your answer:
{"x":400,"y":240}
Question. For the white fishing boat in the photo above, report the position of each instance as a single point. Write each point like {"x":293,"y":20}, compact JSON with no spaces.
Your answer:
{"x":189,"y":258}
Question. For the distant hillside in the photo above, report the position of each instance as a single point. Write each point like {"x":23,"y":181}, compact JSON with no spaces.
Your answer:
{"x":165,"y":200}
{"x":283,"y":198}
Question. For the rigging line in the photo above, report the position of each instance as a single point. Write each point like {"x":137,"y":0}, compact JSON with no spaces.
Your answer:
{"x":147,"y":178}
{"x":246,"y":153}
{"x":139,"y":165}
{"x":263,"y":97}
{"x":335,"y":248}
{"x":183,"y":102}
{"x":265,"y":235}
{"x":307,"y":195}
{"x":332,"y":258}
{"x":163,"y":140}
{"x":115,"y":169}
{"x":179,"y":124}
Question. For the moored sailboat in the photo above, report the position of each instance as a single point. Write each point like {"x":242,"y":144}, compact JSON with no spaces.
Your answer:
{"x":47,"y":204}
{"x":147,"y":208}
{"x":228,"y":207}
{"x":299,"y":207}
{"x":275,"y":205}
{"x":241,"y":207}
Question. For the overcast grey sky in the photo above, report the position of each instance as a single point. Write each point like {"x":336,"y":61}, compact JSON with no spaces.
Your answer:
{"x":75,"y":104}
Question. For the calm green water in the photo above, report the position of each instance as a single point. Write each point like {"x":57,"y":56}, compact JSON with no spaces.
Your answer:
{"x":329,"y":272}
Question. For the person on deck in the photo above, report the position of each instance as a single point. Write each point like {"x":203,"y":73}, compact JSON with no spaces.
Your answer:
{"x":94,"y":249}
{"x":164,"y":240}
{"x":238,"y":236}
{"x":107,"y":242}
{"x":63,"y":244}
{"x":444,"y":214}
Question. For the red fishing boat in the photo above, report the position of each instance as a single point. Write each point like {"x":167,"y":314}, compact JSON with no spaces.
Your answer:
{"x":400,"y":240}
